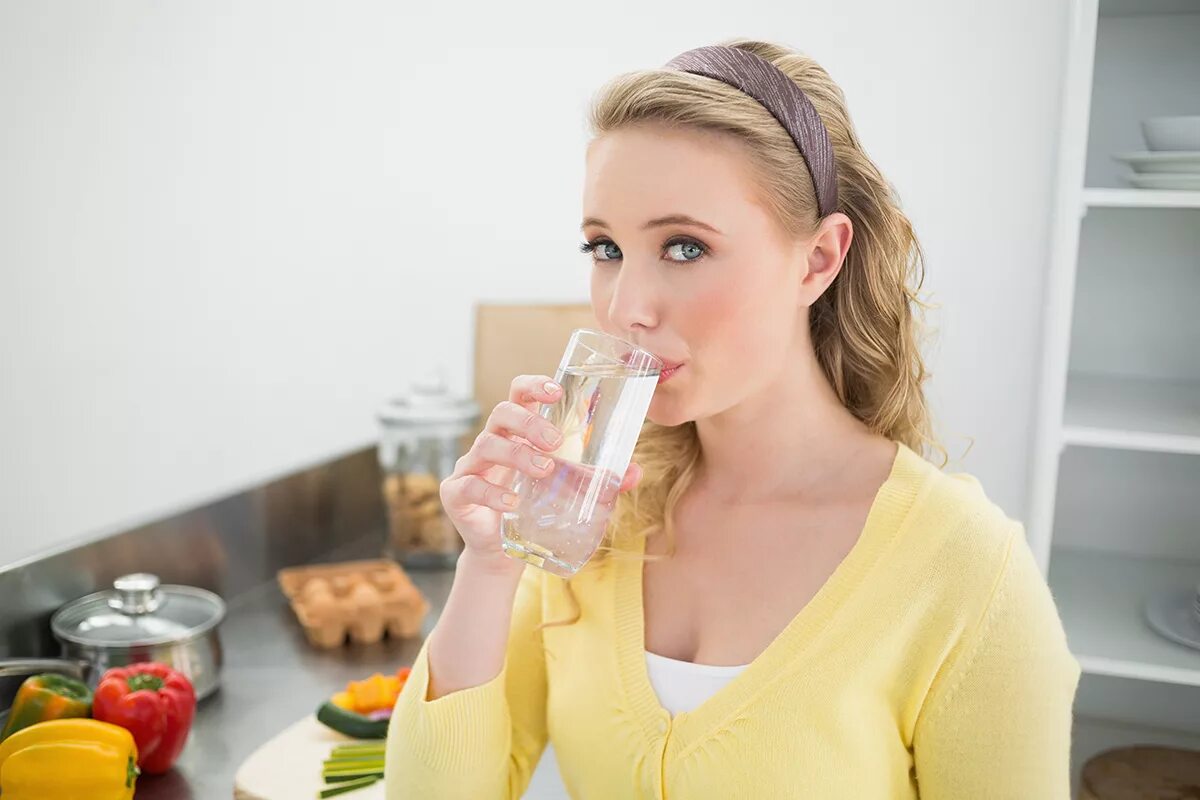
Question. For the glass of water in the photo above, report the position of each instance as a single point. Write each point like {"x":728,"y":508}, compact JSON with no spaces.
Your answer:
{"x":560,"y":519}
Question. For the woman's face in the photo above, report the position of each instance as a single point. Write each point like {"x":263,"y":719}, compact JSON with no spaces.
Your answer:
{"x":691,"y":266}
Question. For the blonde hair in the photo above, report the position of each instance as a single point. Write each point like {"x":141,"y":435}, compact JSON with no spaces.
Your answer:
{"x":866,"y":328}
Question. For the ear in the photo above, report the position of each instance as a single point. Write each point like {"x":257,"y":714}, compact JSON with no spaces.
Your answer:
{"x":825,"y":252}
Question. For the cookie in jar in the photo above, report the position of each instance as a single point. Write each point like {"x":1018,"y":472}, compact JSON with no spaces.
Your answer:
{"x":422,"y":435}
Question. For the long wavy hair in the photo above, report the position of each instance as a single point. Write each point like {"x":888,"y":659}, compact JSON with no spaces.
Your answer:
{"x":866,"y":328}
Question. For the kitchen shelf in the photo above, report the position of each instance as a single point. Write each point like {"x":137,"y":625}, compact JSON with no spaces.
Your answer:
{"x":1132,"y":414}
{"x":1113,"y":516}
{"x":1101,"y":598}
{"x":1141,"y":8}
{"x":1096,"y":197}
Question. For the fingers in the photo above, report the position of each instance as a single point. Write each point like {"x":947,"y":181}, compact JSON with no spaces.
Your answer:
{"x":468,"y":490}
{"x":633,"y":476}
{"x":514,"y":419}
{"x":514,"y":438}
{"x":492,"y":449}
{"x":608,"y":489}
{"x":529,"y":390}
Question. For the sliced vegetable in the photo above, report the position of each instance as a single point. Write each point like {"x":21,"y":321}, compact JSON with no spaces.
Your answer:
{"x":348,"y":786}
{"x":352,"y":766}
{"x":351,"y":723}
{"x":46,"y":697}
{"x":352,"y":775}
{"x":358,"y":747}
{"x":375,"y":693}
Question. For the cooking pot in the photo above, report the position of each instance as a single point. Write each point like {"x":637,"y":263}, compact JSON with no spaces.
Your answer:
{"x":139,"y":620}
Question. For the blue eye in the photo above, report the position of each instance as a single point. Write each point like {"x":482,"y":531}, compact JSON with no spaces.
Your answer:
{"x":689,"y":249}
{"x":601,"y":249}
{"x":686,"y":248}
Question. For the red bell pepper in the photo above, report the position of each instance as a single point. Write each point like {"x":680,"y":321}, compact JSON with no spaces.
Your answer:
{"x":154,"y":703}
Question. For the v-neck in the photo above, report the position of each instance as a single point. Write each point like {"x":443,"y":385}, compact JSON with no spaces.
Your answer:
{"x":890,"y":506}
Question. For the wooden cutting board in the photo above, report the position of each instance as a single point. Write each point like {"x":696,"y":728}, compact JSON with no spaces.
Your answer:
{"x":1141,"y":773}
{"x":288,"y":767}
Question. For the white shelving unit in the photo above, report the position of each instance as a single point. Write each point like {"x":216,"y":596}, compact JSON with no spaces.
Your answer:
{"x":1116,"y":478}
{"x":1096,"y":591}
{"x":1098,"y":197}
{"x":1132,"y":414}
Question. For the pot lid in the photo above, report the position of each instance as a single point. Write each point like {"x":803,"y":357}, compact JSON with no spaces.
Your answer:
{"x":429,"y":401}
{"x":138,"y":611}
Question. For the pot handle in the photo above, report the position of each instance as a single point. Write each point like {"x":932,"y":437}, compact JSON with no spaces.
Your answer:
{"x":10,"y":667}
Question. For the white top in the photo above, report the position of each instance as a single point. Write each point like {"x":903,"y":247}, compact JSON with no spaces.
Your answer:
{"x":682,"y":685}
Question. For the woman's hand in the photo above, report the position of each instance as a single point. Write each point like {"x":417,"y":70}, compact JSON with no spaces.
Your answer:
{"x":514,"y":440}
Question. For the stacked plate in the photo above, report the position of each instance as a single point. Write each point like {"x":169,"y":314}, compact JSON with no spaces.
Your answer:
{"x":1175,"y":614}
{"x":1173,"y":160}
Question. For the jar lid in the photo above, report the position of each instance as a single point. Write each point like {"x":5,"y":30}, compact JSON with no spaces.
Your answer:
{"x":428,"y":403}
{"x":138,"y":611}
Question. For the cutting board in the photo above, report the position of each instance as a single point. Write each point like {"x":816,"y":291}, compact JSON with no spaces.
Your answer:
{"x":288,"y":767}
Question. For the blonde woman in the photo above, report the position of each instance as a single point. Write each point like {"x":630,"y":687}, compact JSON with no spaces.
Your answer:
{"x":792,"y":602}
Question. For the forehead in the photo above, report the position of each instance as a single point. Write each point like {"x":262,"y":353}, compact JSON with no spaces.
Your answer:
{"x":637,"y":173}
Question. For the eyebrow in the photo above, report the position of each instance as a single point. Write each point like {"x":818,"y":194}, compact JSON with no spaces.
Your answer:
{"x":672,"y":219}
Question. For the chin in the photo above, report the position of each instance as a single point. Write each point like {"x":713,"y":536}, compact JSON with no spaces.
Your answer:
{"x":667,"y":412}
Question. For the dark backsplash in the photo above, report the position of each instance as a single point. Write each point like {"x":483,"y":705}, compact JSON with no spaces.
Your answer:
{"x":228,"y":546}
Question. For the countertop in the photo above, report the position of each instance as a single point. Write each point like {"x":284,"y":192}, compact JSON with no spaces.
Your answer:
{"x":271,"y":678}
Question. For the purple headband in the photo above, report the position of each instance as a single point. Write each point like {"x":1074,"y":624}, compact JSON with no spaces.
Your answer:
{"x":780,"y":95}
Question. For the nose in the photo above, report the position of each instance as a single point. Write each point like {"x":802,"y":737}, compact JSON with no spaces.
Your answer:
{"x":633,"y":306}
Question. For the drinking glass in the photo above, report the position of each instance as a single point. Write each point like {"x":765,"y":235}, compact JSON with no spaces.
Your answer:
{"x":560,"y":519}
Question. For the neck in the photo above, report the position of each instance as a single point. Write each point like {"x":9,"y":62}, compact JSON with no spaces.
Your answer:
{"x":786,"y":440}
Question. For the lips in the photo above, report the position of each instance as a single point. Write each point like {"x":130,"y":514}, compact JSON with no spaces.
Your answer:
{"x":668,"y":371}
{"x":669,"y":368}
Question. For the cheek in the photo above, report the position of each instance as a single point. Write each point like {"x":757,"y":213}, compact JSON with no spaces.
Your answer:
{"x":601,"y":294}
{"x":732,"y":319}
{"x":742,"y":333}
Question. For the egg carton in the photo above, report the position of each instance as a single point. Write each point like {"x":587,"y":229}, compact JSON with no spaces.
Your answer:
{"x":355,"y":600}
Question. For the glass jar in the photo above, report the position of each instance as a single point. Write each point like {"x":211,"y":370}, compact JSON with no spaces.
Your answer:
{"x":422,"y":437}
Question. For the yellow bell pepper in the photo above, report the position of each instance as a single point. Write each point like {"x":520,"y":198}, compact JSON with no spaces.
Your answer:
{"x":375,"y":693}
{"x":68,"y":759}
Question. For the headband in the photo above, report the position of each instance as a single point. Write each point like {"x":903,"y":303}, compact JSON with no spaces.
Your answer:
{"x":780,"y":95}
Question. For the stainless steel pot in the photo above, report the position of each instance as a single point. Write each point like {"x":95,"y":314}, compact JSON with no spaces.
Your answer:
{"x":138,"y":620}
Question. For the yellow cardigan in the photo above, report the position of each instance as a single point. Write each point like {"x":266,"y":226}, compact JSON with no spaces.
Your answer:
{"x":931,"y":665}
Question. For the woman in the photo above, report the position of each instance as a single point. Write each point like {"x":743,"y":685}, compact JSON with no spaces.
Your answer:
{"x":795,"y":604}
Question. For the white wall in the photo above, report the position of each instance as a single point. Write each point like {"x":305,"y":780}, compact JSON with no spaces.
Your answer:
{"x":228,"y":229}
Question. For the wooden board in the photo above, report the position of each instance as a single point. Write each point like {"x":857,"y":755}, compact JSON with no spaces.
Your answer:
{"x":512,"y":340}
{"x":288,"y":767}
{"x":1140,"y":772}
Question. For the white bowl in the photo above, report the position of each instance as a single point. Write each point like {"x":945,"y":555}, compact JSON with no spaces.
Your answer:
{"x":1172,"y":133}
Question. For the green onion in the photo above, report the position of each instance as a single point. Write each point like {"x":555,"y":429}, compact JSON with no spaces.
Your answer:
{"x":348,"y":786}
{"x":356,"y":754}
{"x":352,"y":769}
{"x":349,"y":761}
{"x":374,"y":745}
{"x":340,"y":778}
{"x":352,"y":766}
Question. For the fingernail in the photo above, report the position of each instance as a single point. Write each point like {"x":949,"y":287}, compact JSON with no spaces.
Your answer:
{"x":550,"y":386}
{"x":509,"y":499}
{"x":542,"y":462}
{"x":551,"y":437}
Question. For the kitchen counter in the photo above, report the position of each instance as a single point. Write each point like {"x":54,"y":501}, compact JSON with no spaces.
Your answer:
{"x":273,"y":677}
